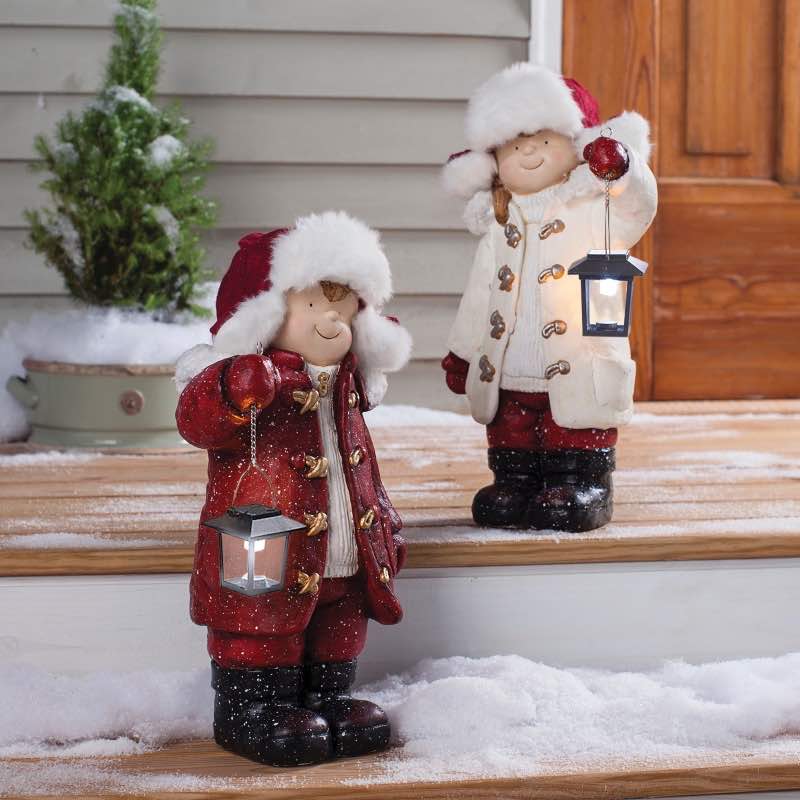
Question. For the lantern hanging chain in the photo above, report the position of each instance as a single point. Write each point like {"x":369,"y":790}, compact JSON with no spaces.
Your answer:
{"x":259,"y":351}
{"x":253,"y":462}
{"x":253,"y":435}
{"x":607,"y":131}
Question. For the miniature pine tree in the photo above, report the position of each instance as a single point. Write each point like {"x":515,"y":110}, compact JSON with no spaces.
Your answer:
{"x":125,"y":182}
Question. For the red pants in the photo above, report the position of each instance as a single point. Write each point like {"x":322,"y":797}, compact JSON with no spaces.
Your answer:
{"x":337,"y":631}
{"x":524,"y":422}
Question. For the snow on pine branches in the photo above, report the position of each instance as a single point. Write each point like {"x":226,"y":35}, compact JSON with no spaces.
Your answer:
{"x":125,"y":185}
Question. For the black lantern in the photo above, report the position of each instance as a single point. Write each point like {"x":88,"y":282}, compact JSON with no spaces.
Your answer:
{"x":254,"y":541}
{"x":607,"y":290}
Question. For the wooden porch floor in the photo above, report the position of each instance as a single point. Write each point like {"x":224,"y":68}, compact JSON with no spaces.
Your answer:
{"x":197,"y":770}
{"x":694,"y":481}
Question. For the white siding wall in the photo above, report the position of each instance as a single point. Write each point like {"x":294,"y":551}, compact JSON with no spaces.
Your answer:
{"x":313,"y":104}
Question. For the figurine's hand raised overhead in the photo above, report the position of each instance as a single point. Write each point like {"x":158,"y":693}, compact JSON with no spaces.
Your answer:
{"x":250,"y":380}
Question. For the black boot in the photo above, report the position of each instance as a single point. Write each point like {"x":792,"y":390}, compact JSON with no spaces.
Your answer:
{"x":357,"y":727}
{"x":257,"y":714}
{"x":516,"y":479}
{"x":577,"y":493}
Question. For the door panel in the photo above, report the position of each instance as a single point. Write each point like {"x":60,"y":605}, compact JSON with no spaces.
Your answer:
{"x":725,"y":286}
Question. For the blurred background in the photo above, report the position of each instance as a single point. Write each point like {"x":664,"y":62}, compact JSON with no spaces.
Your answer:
{"x":319,"y":104}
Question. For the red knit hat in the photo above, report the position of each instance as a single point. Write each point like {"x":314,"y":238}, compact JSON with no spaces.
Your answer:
{"x":248,"y":274}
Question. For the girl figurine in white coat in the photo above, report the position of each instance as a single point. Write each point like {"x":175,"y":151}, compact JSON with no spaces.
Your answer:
{"x":550,"y":397}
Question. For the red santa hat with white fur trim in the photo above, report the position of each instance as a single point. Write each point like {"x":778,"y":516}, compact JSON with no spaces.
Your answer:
{"x":251,"y":301}
{"x":526,"y":98}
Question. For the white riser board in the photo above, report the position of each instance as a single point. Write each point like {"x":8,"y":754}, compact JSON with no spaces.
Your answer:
{"x":619,"y":616}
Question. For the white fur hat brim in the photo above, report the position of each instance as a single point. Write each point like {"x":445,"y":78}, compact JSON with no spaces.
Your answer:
{"x":467,"y":173}
{"x":331,"y":246}
{"x":469,"y":178}
{"x":523,"y":98}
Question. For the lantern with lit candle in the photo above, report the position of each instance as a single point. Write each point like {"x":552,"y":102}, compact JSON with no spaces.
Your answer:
{"x":607,"y":290}
{"x":254,"y":541}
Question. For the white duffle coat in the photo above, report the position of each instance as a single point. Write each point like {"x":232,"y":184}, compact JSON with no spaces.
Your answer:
{"x":589,"y":380}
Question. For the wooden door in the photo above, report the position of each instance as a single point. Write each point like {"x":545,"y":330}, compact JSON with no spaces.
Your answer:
{"x":719,"y":317}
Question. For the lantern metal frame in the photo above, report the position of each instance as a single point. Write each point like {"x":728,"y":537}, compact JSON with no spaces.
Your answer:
{"x":598,"y":265}
{"x":254,"y":523}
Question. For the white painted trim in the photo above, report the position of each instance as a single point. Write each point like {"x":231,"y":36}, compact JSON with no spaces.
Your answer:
{"x":544,"y":44}
{"x":616,"y":616}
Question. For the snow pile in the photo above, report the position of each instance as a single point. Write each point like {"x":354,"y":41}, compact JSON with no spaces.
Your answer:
{"x":49,"y":458}
{"x":165,"y":218}
{"x":60,"y":226}
{"x":164,"y":149}
{"x":116,"y":95}
{"x":61,"y":540}
{"x":403,"y":415}
{"x":510,"y":716}
{"x":100,"y":713}
{"x":452,"y":717}
{"x":90,"y":335}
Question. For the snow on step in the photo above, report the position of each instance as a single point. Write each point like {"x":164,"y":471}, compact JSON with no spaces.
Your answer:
{"x":453,"y":719}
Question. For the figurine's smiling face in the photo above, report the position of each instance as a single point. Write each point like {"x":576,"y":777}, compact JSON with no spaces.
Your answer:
{"x":317,"y":323}
{"x":533,"y":162}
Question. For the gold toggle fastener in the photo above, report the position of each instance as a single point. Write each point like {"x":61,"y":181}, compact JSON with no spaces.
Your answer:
{"x":385,"y":577}
{"x":317,"y":466}
{"x":324,"y":383}
{"x":352,"y":399}
{"x":560,"y":367}
{"x":512,"y":234}
{"x":356,"y":457}
{"x":506,"y":278}
{"x":556,"y":226}
{"x":555,"y":272}
{"x":308,"y":400}
{"x":307,"y":584}
{"x":557,"y":327}
{"x":367,"y":519}
{"x":487,"y":369}
{"x":316,"y":523}
{"x":498,"y":325}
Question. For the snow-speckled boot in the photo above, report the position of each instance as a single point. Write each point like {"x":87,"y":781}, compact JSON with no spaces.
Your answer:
{"x":503,"y":503}
{"x":357,"y":727}
{"x":577,"y":492}
{"x":257,"y":714}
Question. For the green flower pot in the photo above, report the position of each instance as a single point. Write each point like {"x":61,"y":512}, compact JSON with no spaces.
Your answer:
{"x":99,"y":405}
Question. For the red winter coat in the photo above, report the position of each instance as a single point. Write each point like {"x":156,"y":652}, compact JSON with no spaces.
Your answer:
{"x":208,"y":420}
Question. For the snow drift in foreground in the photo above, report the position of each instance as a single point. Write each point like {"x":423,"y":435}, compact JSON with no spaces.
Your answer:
{"x":88,"y":335}
{"x":503,"y":715}
{"x":507,"y":715}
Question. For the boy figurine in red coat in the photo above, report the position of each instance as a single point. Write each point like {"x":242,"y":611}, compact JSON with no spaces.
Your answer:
{"x":283,"y":662}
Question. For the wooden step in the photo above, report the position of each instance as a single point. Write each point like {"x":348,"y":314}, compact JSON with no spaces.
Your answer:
{"x":209,"y":772}
{"x":694,"y":481}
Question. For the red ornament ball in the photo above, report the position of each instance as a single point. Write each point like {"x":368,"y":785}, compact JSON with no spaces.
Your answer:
{"x":608,"y":158}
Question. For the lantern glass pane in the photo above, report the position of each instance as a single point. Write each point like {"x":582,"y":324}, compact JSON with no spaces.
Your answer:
{"x":608,"y":298}
{"x":253,"y":566}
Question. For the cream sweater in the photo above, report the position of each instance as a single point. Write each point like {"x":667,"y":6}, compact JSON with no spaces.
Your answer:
{"x":342,"y":558}
{"x":525,"y":361}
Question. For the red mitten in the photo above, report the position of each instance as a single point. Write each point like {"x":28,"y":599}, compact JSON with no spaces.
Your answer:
{"x":608,"y":158}
{"x":250,"y":380}
{"x":456,"y":373}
